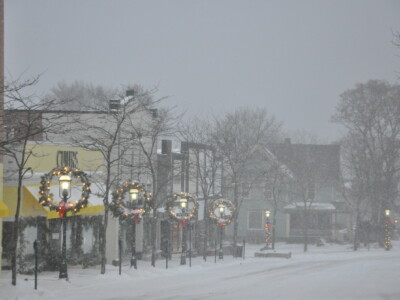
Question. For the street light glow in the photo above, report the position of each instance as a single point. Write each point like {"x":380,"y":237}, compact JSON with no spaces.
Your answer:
{"x":65,"y":184}
{"x":134,"y":194}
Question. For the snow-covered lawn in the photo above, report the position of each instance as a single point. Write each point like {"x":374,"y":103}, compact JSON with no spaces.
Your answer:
{"x":327,"y":272}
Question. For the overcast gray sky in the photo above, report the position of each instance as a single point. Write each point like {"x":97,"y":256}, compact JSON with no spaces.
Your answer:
{"x":293,"y":57}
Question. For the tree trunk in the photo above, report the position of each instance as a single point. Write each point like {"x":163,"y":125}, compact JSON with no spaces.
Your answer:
{"x":235,"y":221}
{"x":205,"y":238}
{"x":103,"y":242}
{"x":14,"y":252}
{"x":16,"y":232}
{"x":356,"y":232}
{"x":153,"y":240}
{"x":305,"y":231}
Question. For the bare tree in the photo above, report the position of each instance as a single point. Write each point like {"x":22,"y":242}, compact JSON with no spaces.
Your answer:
{"x":80,"y":96}
{"x":370,"y":112}
{"x":145,"y":135}
{"x":234,"y":136}
{"x":98,"y":126}
{"x":25,"y":125}
{"x":356,"y":181}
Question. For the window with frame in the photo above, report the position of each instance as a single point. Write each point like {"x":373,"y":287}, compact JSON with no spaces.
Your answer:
{"x":255,"y":219}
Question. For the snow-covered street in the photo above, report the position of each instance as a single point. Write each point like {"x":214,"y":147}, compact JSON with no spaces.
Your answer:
{"x":328,"y":272}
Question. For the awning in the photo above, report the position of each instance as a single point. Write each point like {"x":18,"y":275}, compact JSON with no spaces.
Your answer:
{"x":32,"y":207}
{"x":4,"y":211}
{"x":314,"y":206}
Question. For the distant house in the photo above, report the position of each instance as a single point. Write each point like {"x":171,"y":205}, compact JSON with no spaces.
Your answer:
{"x":309,"y":179}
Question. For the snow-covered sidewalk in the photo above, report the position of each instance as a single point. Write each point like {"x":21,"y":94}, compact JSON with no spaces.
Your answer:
{"x":327,"y":272}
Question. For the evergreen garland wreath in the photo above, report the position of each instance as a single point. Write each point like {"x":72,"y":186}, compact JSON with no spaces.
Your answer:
{"x":227,"y":218}
{"x":192,"y":207}
{"x":47,"y":199}
{"x":121,"y":210}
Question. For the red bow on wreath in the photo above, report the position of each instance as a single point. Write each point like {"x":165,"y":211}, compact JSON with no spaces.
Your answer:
{"x":182,"y":223}
{"x":388,"y":221}
{"x":268,"y":225}
{"x":62,"y":211}
{"x":222,"y":224}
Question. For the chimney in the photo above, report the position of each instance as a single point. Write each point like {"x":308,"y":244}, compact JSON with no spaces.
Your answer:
{"x":166,"y":147}
{"x":288,"y":141}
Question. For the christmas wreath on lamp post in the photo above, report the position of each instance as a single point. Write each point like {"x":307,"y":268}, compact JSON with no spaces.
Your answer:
{"x":221,"y":212}
{"x":65,"y":173}
{"x":182,"y":207}
{"x":135,"y":208}
{"x":138,"y":206}
{"x":62,"y":207}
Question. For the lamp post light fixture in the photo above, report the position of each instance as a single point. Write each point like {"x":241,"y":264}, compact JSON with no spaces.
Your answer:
{"x":388,"y":242}
{"x":65,"y":193}
{"x":134,"y":194}
{"x":183,"y":202}
{"x":267,"y":229}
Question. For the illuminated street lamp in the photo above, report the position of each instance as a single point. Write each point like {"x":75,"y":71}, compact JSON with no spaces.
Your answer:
{"x":46,"y":199}
{"x":267,"y":229}
{"x":183,"y":202}
{"x":65,"y":194}
{"x":130,"y":208}
{"x":221,"y":209}
{"x":65,"y":186}
{"x":134,"y":194}
{"x":388,"y":242}
{"x":182,"y":207}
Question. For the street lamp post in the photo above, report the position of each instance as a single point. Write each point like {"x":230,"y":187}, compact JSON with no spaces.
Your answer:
{"x":222,"y":213}
{"x":46,"y":199}
{"x":182,"y":208}
{"x":183,"y":203}
{"x":134,"y":197}
{"x":65,"y":193}
{"x":221,"y":231}
{"x":388,"y":242}
{"x":267,"y":229}
{"x":131,"y":208}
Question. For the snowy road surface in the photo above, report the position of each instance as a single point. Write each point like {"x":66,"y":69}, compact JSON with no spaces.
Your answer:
{"x":328,"y":272}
